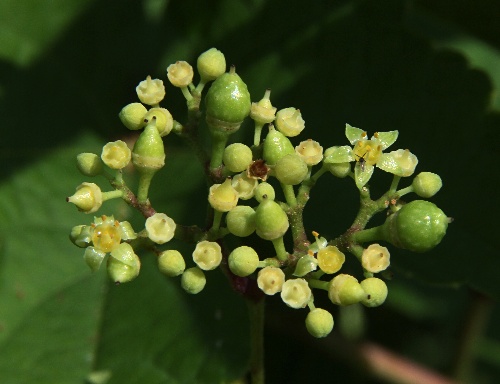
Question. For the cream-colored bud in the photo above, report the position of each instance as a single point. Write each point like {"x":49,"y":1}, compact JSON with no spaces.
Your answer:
{"x":207,"y":255}
{"x":310,"y":151}
{"x":116,"y":154}
{"x":151,"y":91}
{"x":270,"y":280}
{"x":296,"y":293}
{"x":375,"y":258}
{"x":160,"y":228}
{"x":244,"y":185}
{"x":289,"y":121}
{"x":180,"y":74}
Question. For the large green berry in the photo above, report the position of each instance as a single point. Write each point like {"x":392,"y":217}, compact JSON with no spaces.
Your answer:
{"x":227,"y":103}
{"x":418,"y":226}
{"x":276,"y":146}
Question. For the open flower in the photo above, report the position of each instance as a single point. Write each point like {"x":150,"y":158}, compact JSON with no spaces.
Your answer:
{"x":368,"y":153}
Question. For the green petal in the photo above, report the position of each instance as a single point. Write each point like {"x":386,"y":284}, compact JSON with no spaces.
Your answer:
{"x":93,"y":258}
{"x":305,"y":265}
{"x":386,"y":139}
{"x":361,"y":176}
{"x":337,"y":155}
{"x":353,"y":134}
{"x":387,"y":162}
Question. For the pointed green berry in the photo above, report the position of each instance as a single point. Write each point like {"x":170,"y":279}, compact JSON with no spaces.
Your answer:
{"x":193,"y":280}
{"x":227,"y":103}
{"x":376,"y":292}
{"x":291,"y":169}
{"x":271,"y":222}
{"x":276,"y":146}
{"x":319,"y":322}
{"x":418,"y":226}
{"x":243,"y":261}
{"x":149,"y":152}
{"x":132,"y":116}
{"x":345,"y":290}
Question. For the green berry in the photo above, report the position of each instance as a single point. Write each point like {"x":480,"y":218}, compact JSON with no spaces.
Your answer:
{"x":243,"y":261}
{"x":227,"y":103}
{"x":211,"y":64}
{"x":193,"y":280}
{"x":319,"y":322}
{"x":345,"y":290}
{"x":132,"y":116}
{"x":376,"y":292}
{"x":237,"y":157}
{"x":427,"y":184}
{"x":171,"y":263}
{"x":418,"y":226}
{"x":264,"y":191}
{"x":149,"y":153}
{"x":241,"y":221}
{"x":276,"y":146}
{"x":271,"y":221}
{"x":291,"y":169}
{"x":89,"y":164}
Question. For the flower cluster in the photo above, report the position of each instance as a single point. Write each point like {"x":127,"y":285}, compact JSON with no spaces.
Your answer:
{"x":261,"y":188}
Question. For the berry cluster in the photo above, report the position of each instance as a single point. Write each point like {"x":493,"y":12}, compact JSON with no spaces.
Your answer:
{"x":244,"y":182}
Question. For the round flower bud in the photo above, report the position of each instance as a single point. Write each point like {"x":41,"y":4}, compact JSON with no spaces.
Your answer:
{"x":81,"y":235}
{"x":150,"y":91}
{"x":160,"y":228}
{"x":123,"y":264}
{"x":193,"y":280}
{"x":171,"y":263}
{"x":227,"y":103}
{"x":345,"y":290}
{"x":89,"y":164}
{"x":296,"y":293}
{"x":161,"y":119}
{"x":276,"y":145}
{"x":180,"y":74}
{"x":263,"y":112}
{"x":426,"y":184}
{"x":211,"y":64}
{"x":87,"y":198}
{"x":270,"y":280}
{"x":106,"y":236}
{"x":237,"y":157}
{"x":289,"y":121}
{"x":339,"y":170}
{"x":319,"y":322}
{"x":207,"y":255}
{"x":376,"y":292}
{"x":375,"y":258}
{"x":264,"y":191}
{"x":243,"y":261}
{"x":93,"y":258}
{"x":116,"y":154}
{"x":240,"y":221}
{"x":223,"y":197}
{"x":310,"y":151}
{"x":291,"y":170}
{"x":148,"y":153}
{"x":271,"y":221}
{"x":132,"y":116}
{"x":330,"y":259}
{"x":244,"y":185}
{"x":418,"y":226}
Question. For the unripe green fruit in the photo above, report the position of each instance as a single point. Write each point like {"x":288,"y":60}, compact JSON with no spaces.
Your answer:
{"x":426,"y":184}
{"x":418,"y":226}
{"x":149,"y":153}
{"x":264,"y":191}
{"x":211,"y":64}
{"x":171,"y":263}
{"x":291,"y":169}
{"x":376,"y":292}
{"x":345,"y":290}
{"x":237,"y":157}
{"x":243,"y":261}
{"x":276,"y":146}
{"x":227,"y":103}
{"x":271,"y":221}
{"x":193,"y":280}
{"x":132,"y":115}
{"x":241,"y":221}
{"x":319,"y":322}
